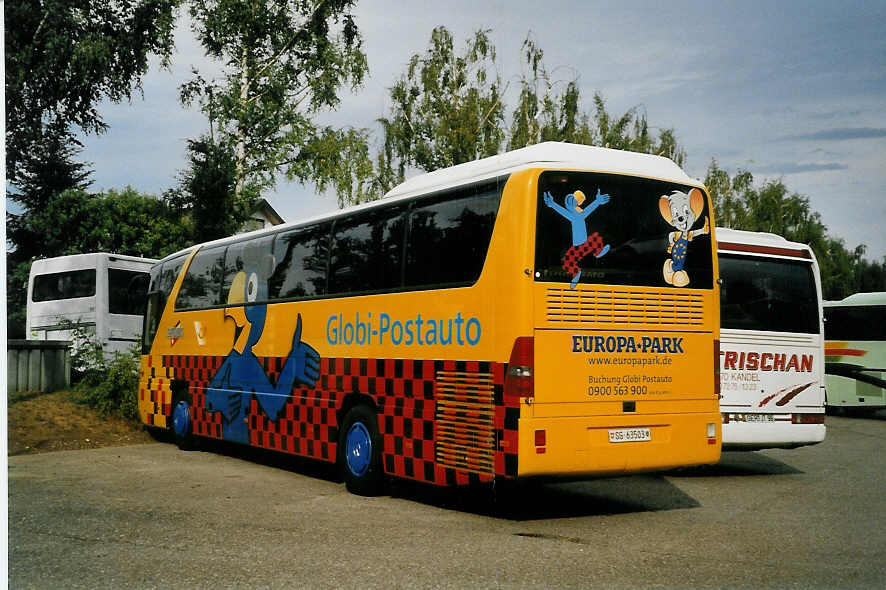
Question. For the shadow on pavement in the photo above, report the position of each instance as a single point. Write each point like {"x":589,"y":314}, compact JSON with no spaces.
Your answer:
{"x":533,"y":500}
{"x":738,"y":463}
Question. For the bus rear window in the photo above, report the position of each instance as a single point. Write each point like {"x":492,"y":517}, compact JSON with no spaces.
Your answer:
{"x":64,"y":285}
{"x":767,"y":294}
{"x":612,"y":229}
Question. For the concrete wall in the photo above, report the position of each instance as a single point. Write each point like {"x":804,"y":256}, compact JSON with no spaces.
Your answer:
{"x":38,"y":365}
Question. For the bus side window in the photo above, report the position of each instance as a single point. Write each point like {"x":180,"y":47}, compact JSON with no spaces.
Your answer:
{"x":201,"y":287}
{"x":301,"y":257}
{"x":241,"y":256}
{"x":449,"y":237}
{"x":367,"y":252}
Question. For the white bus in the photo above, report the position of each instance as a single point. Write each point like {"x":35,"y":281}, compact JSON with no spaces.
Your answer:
{"x":102,"y":294}
{"x":771,"y":342}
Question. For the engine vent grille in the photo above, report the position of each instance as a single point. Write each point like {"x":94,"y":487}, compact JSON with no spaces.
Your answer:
{"x":465,"y":421}
{"x":624,"y":308}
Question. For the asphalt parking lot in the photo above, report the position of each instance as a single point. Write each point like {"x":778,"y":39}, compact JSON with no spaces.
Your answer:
{"x":151,"y":516}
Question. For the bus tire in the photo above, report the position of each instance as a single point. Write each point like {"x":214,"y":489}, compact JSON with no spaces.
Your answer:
{"x":359,"y":452}
{"x":182,"y":425}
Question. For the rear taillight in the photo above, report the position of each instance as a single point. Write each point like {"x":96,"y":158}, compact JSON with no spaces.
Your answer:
{"x":807,"y":418}
{"x":520,"y":381}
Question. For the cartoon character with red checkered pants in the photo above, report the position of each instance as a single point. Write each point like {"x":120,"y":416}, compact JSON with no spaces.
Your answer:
{"x":582,"y":243}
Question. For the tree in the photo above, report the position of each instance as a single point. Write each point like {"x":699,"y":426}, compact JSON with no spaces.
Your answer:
{"x":540,"y":114}
{"x":739,"y":204}
{"x":446,"y":109}
{"x":48,"y":168}
{"x":206,"y":192}
{"x":64,"y":57}
{"x":449,"y":108}
{"x":284,"y":61}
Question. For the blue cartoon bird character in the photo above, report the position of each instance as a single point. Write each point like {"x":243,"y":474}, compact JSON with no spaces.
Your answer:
{"x":242,"y":375}
{"x":582,"y":243}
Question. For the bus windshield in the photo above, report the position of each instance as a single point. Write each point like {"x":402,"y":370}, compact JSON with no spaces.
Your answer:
{"x":768,"y":294}
{"x":611,"y":229}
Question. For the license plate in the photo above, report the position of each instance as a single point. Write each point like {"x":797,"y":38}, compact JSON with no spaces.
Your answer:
{"x":759,"y":418}
{"x":620,"y":435}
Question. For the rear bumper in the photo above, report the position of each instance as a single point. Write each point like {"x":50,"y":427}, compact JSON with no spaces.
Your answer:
{"x":578,"y":446}
{"x":749,"y":436}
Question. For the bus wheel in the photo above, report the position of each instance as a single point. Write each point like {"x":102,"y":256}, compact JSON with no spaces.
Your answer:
{"x":182,"y":427}
{"x":359,"y":452}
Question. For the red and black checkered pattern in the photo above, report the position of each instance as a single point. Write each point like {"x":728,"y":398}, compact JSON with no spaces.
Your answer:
{"x":404,"y":394}
{"x":197,"y":372}
{"x":154,"y":392}
{"x":574,"y":254}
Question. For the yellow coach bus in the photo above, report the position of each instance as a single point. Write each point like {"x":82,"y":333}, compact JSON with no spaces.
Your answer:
{"x":552,"y":311}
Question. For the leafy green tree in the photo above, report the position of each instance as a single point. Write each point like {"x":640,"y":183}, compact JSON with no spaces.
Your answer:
{"x":49,"y":168}
{"x":205,"y":195}
{"x":541,"y":114}
{"x":283,"y":62}
{"x":64,"y":57}
{"x":770,"y":207}
{"x":446,"y":109}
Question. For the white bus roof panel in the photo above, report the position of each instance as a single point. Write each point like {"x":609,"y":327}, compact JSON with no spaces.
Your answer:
{"x":727,"y":236}
{"x":551,"y":154}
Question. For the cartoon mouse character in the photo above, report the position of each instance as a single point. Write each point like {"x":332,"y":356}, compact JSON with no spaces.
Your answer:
{"x":681,"y":210}
{"x":582,"y":244}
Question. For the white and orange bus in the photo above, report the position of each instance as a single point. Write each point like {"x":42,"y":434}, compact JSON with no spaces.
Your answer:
{"x":771,"y":342}
{"x":855,"y":352}
{"x":551,"y":311}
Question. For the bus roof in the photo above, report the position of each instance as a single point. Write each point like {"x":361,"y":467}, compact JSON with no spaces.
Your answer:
{"x":73,"y":261}
{"x":550,"y":154}
{"x":738,"y":240}
{"x":875,"y":298}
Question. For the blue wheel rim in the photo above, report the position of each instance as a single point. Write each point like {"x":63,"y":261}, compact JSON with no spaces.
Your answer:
{"x":358,"y":449}
{"x":181,"y":419}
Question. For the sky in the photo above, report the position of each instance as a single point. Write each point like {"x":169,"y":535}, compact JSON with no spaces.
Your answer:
{"x":786,"y":90}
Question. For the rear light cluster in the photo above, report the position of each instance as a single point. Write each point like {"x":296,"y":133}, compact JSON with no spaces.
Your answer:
{"x":520,"y":381}
{"x":540,"y":441}
{"x":807,"y":418}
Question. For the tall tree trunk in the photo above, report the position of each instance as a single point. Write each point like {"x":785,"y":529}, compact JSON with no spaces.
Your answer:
{"x":241,"y":133}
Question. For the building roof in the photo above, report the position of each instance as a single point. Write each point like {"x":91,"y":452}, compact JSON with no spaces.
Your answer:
{"x":265,"y":208}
